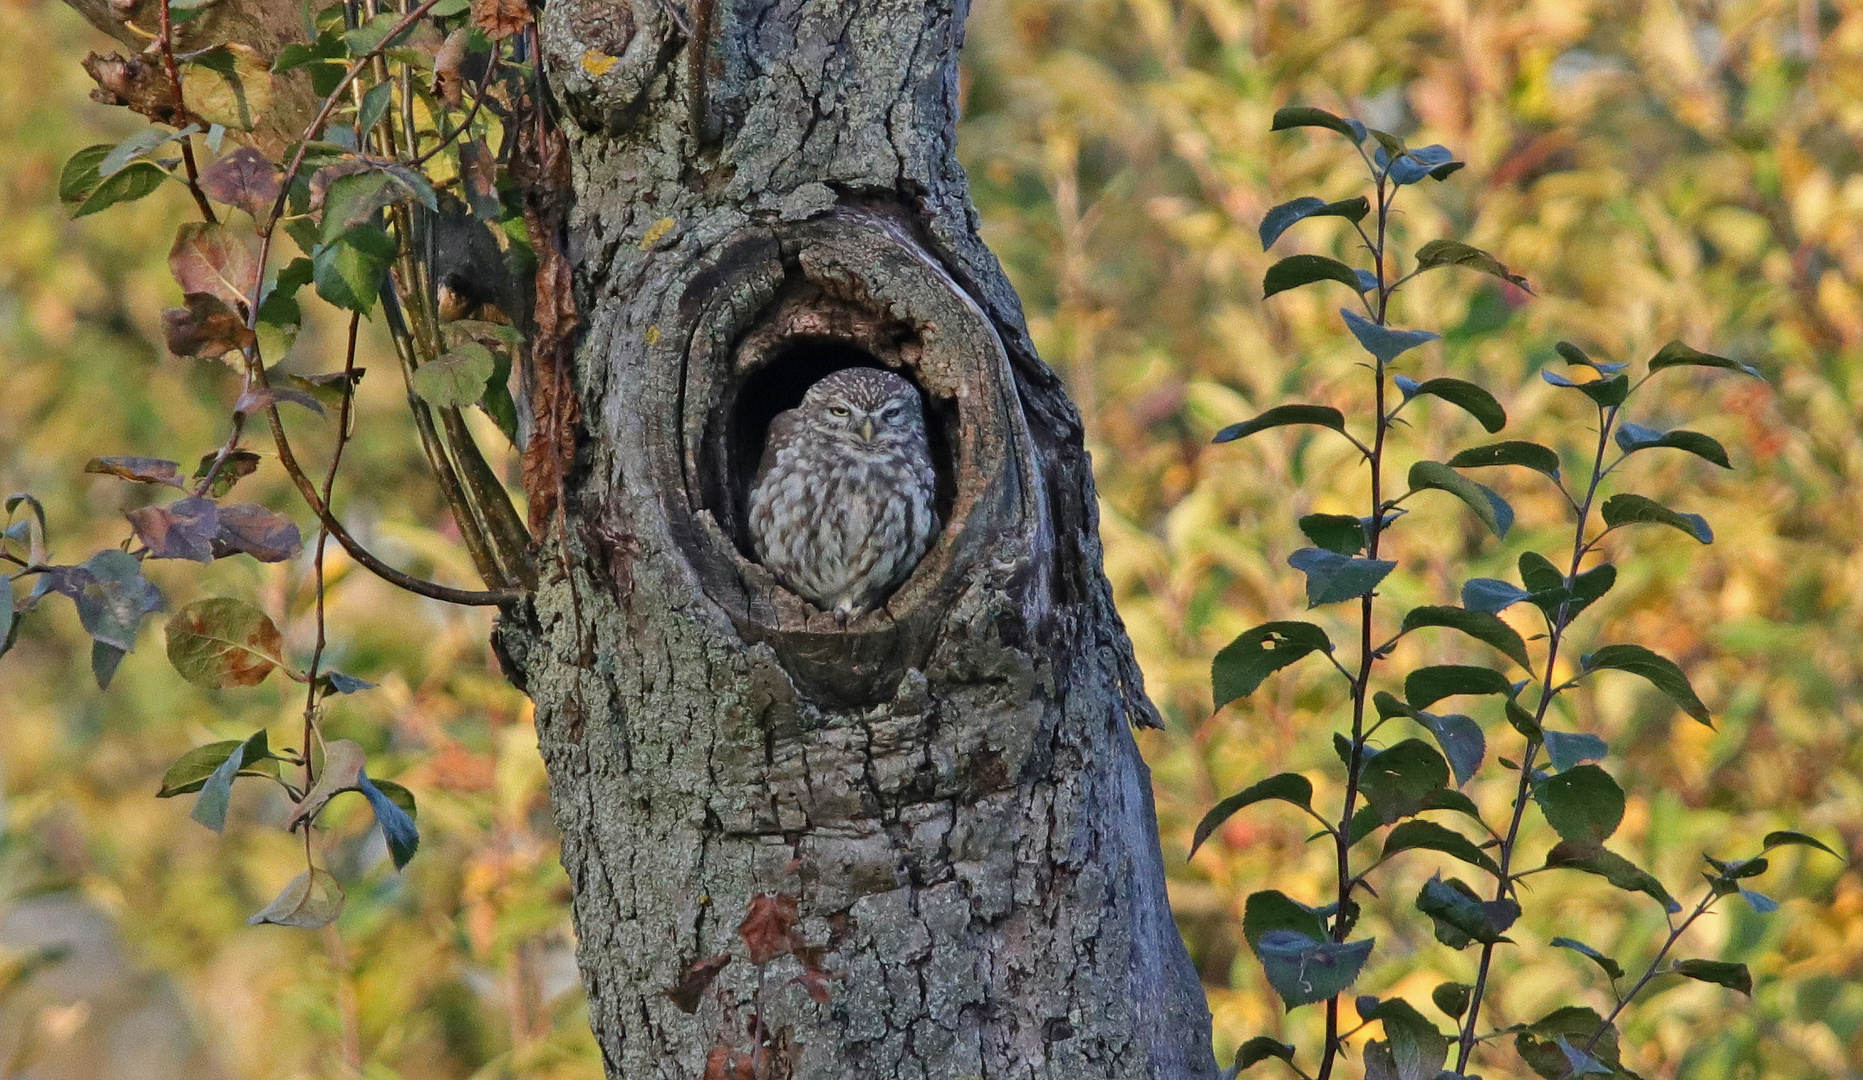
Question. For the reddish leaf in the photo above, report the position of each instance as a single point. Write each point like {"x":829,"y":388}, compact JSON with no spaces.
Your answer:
{"x":183,"y":529}
{"x":330,"y":174}
{"x":246,"y":179}
{"x":815,"y":983}
{"x":211,"y":258}
{"x":260,"y":398}
{"x":767,"y":927}
{"x":246,"y":528}
{"x":205,"y":328}
{"x":137,"y":84}
{"x":223,"y":642}
{"x":500,"y":18}
{"x":698,"y":978}
{"x":144,"y":470}
{"x":724,"y":1063}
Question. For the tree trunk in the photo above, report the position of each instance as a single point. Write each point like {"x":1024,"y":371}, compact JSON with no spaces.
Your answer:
{"x":943,"y":796}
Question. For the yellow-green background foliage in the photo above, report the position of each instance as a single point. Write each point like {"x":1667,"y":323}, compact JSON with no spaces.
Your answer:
{"x":1657,"y":170}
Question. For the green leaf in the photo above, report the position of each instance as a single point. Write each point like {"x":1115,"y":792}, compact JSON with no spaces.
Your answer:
{"x":1489,"y":508}
{"x":1548,"y":590}
{"x":1610,"y":966}
{"x":1572,"y":354}
{"x":1583,"y":803}
{"x":1269,"y":910}
{"x":104,"y":660}
{"x":1427,"y":835}
{"x":1258,"y":653}
{"x":1417,"y":1050}
{"x":1383,"y":342}
{"x":1455,"y":253}
{"x":350,"y":270}
{"x":1294,"y":116}
{"x":1614,"y":868}
{"x":1282,"y":415}
{"x":1785,"y":836}
{"x":1304,"y":970}
{"x":191,"y":770}
{"x":1627,"y":509}
{"x":139,"y":145}
{"x":1524,"y":722}
{"x":1332,"y":577}
{"x":1759,"y":902}
{"x":1569,"y":749}
{"x":1634,"y":437}
{"x":134,"y":182}
{"x":1399,"y":781}
{"x":222,"y":642}
{"x":1341,"y":534}
{"x":1452,"y":998}
{"x":1490,"y":595}
{"x":217,"y":791}
{"x":80,"y":177}
{"x":1460,"y":737}
{"x":111,"y":595}
{"x":1297,"y":270}
{"x":374,"y":104}
{"x":1512,"y":452}
{"x":1545,"y":1044}
{"x":1464,"y":395}
{"x":1259,"y":1049}
{"x":1285,"y":215}
{"x":1661,"y":672}
{"x":1676,"y":354}
{"x":1460,"y":917}
{"x":1427,"y":685}
{"x":1720,"y":972}
{"x":457,"y":378}
{"x":1606,"y":392}
{"x":1480,"y":625}
{"x":1287,"y":787}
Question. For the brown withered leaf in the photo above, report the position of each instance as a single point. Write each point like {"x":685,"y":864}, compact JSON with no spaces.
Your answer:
{"x":184,"y":529}
{"x":208,"y":257}
{"x":766,"y":929}
{"x":239,"y":465}
{"x":478,"y":169}
{"x":143,"y":470}
{"x":697,"y":978}
{"x":206,"y":327}
{"x":724,"y":1063}
{"x":500,"y":18}
{"x":342,"y":771}
{"x":815,"y":984}
{"x":447,"y":83}
{"x":137,"y":84}
{"x":330,"y":174}
{"x":245,"y":179}
{"x":250,"y":529}
{"x":313,"y":899}
{"x":329,"y":388}
{"x":260,"y":398}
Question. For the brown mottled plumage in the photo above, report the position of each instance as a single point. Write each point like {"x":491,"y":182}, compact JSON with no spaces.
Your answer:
{"x":842,"y":508}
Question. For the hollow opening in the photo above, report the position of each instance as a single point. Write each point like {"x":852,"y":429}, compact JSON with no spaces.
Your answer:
{"x":793,"y":365}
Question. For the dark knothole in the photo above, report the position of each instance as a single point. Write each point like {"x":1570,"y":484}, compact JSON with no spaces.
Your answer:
{"x":788,"y":368}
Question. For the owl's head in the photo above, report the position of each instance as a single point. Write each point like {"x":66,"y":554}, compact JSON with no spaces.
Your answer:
{"x":865,"y":407}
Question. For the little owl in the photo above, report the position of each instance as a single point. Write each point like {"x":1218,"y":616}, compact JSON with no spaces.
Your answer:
{"x":842,"y":510}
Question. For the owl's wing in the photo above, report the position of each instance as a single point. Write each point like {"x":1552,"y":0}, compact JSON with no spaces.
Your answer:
{"x":782,"y":429}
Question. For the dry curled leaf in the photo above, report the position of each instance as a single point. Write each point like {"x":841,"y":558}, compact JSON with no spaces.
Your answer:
{"x":697,"y":978}
{"x":260,"y":398}
{"x":724,"y":1063}
{"x":766,"y":929}
{"x":139,"y":85}
{"x":313,"y":899}
{"x":500,"y":18}
{"x":447,"y":82}
{"x":342,"y":771}
{"x":206,"y":328}
{"x":245,"y":179}
{"x":143,"y":470}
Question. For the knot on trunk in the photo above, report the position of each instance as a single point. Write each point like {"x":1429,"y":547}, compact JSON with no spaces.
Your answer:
{"x":779,"y":308}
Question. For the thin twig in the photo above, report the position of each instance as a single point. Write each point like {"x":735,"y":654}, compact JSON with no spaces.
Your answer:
{"x":165,"y":40}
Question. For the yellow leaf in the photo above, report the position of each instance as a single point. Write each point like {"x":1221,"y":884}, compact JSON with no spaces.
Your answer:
{"x":597,"y":63}
{"x":230,"y":85}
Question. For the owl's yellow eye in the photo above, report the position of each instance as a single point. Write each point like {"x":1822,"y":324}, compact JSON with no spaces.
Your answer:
{"x":837,"y":412}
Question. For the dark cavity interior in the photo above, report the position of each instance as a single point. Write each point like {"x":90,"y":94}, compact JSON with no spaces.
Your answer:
{"x":778,"y":385}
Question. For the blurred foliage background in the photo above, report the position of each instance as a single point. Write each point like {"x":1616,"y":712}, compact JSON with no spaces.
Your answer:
{"x":1656,"y":169}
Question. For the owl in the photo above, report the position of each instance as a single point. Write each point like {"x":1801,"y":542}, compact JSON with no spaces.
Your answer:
{"x":842,"y":507}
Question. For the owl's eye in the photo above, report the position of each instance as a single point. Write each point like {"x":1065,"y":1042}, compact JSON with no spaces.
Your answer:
{"x":893,"y":412}
{"x":837,"y":411}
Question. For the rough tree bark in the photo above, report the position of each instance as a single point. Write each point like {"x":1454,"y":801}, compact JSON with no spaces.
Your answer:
{"x":766,"y":190}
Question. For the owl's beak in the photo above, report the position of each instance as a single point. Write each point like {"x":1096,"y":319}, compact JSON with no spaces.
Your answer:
{"x":866,"y":429}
